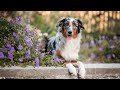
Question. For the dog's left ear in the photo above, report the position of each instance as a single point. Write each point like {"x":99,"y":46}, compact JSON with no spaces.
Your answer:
{"x":60,"y":22}
{"x":80,"y":25}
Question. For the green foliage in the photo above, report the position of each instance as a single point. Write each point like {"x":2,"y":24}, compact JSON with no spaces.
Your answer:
{"x":108,"y":42}
{"x":23,"y":45}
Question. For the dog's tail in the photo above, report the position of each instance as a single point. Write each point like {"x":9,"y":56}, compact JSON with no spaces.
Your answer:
{"x":48,"y":45}
{"x":44,"y":44}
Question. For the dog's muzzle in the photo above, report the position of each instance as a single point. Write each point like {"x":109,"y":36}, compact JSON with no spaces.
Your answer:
{"x":69,"y":33}
{"x":69,"y":36}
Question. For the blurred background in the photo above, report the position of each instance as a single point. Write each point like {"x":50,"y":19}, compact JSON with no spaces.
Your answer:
{"x":100,"y":39}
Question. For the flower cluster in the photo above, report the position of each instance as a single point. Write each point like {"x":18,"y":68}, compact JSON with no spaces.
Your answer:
{"x":106,"y":47}
{"x":21,"y":44}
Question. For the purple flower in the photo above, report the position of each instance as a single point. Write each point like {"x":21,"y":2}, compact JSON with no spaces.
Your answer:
{"x":30,"y":43}
{"x":37,"y":62}
{"x":12,"y":49}
{"x":53,"y":51}
{"x":114,"y":37}
{"x":32,"y":35}
{"x":103,"y":37}
{"x":28,"y":52}
{"x":100,"y":49}
{"x":21,"y":59}
{"x":38,"y":47}
{"x":8,"y":45}
{"x":42,"y":55}
{"x":17,"y":39}
{"x":113,"y":55}
{"x":3,"y":49}
{"x":27,"y":39}
{"x":110,"y":40}
{"x":20,"y":47}
{"x":93,"y":55}
{"x":27,"y":30}
{"x":18,"y":20}
{"x":1,"y":55}
{"x":112,"y":46}
{"x":14,"y":34}
{"x":28,"y":21}
{"x":10,"y":55}
{"x":87,"y":45}
{"x":56,"y":60}
{"x":28,"y":56}
{"x":92,"y":43}
{"x":108,"y":56}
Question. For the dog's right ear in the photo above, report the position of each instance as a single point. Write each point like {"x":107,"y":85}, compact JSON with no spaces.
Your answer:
{"x":60,"y":22}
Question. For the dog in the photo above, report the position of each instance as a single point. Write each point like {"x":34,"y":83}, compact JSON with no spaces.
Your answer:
{"x":66,"y":44}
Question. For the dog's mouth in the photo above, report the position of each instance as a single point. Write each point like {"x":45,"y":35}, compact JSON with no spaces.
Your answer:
{"x":69,"y":37}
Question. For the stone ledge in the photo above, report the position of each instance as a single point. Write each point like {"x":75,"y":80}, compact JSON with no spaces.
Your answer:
{"x":57,"y":72}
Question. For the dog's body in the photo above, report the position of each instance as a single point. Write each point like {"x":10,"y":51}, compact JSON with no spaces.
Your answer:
{"x":68,"y":48}
{"x":66,"y":43}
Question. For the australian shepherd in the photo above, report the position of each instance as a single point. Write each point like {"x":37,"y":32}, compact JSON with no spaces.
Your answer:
{"x":66,"y":44}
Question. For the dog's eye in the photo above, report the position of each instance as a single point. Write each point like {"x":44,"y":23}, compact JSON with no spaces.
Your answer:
{"x":74,"y":25}
{"x":66,"y":23}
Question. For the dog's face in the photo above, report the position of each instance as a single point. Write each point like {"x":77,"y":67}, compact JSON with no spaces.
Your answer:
{"x":70,"y":27}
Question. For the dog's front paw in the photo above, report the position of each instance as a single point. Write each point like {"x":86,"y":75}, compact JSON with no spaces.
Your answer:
{"x":71,"y":69}
{"x":81,"y":70}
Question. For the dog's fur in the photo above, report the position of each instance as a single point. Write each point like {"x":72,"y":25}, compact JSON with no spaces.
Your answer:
{"x":67,"y":44}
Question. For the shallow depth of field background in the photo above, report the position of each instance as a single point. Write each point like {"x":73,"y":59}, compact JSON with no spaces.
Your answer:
{"x":100,"y":39}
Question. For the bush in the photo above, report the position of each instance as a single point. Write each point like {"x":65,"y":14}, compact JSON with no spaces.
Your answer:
{"x":21,"y":46}
{"x":101,"y":48}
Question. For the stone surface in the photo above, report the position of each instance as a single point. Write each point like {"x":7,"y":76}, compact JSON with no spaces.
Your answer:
{"x":93,"y":71}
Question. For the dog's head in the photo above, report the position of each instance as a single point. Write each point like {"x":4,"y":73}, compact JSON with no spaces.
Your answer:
{"x":70,"y":27}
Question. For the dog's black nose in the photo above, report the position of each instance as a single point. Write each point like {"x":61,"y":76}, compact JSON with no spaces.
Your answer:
{"x":70,"y":32}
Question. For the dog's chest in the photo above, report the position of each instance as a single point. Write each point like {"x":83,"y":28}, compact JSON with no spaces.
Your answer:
{"x":71,"y":45}
{"x":70,"y":50}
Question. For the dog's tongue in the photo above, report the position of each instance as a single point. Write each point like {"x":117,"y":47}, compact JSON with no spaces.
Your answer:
{"x":69,"y":37}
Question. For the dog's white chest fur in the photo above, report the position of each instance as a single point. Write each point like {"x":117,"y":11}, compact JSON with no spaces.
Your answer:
{"x":71,"y":49}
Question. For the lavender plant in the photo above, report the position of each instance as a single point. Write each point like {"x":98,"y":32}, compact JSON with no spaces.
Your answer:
{"x":21,"y":46}
{"x":104,"y":48}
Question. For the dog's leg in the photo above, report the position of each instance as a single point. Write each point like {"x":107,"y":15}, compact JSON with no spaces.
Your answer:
{"x":71,"y":69}
{"x":81,"y":69}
